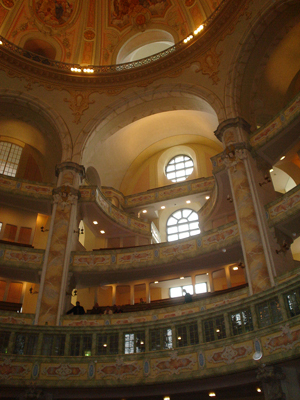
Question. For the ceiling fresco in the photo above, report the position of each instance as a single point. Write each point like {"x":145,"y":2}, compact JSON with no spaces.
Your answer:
{"x":54,"y":12}
{"x":92,"y":32}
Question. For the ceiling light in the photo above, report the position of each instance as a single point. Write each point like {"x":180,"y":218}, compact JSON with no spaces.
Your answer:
{"x":142,"y":342}
{"x":258,"y":390}
{"x":212,"y":394}
{"x":179,"y":338}
{"x":271,"y":170}
{"x":88,"y":70}
{"x":235,"y":268}
{"x":217,"y":330}
{"x":166,"y":398}
{"x":1,"y":42}
{"x":207,"y":197}
{"x":188,"y":201}
{"x":182,"y":277}
{"x":102,"y":232}
{"x":144,"y":211}
{"x":199,"y":29}
{"x":224,"y":250}
{"x":206,"y":273}
{"x":156,"y":282}
{"x":105,"y":345}
{"x":75,"y":69}
{"x":282,"y":158}
{"x":95,"y":222}
{"x":163,"y":207}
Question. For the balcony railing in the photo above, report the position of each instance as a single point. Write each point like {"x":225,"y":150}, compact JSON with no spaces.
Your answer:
{"x":227,"y":337}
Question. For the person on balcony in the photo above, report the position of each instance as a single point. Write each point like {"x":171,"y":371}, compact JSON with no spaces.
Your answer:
{"x":77,"y":310}
{"x":187,"y":297}
{"x":108,"y":311}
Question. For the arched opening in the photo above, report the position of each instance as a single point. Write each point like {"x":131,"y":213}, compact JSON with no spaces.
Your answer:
{"x":144,"y":44}
{"x":41,"y":48}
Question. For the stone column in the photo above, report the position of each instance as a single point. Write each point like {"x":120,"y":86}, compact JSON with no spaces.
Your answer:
{"x":249,"y":212}
{"x":131,"y":294}
{"x":61,"y":241}
{"x":148,"y":300}
{"x":228,"y":278}
{"x":271,"y":378}
{"x":113,"y":294}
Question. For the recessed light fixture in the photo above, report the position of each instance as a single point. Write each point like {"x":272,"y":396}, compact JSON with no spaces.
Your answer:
{"x":163,"y":207}
{"x":206,"y":273}
{"x":235,"y":268}
{"x":156,"y":282}
{"x":105,"y":345}
{"x":95,"y":222}
{"x":212,"y":394}
{"x":207,"y":197}
{"x":179,"y":338}
{"x":217,"y":330}
{"x":258,"y":390}
{"x":224,"y":250}
{"x":271,"y":170}
{"x":102,"y":232}
{"x":144,"y":211}
{"x":188,"y":201}
{"x":1,"y":42}
{"x":282,"y":158}
{"x":166,"y":398}
{"x":182,"y":277}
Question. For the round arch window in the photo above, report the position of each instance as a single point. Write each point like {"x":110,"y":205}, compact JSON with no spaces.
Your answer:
{"x":179,"y":168}
{"x":182,"y":224}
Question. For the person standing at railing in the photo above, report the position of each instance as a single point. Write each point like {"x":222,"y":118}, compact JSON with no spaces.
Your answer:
{"x":77,"y":310}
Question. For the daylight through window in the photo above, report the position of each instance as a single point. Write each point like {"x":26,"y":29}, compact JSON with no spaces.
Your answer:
{"x":10,"y":155}
{"x":179,"y":168}
{"x":182,"y":224}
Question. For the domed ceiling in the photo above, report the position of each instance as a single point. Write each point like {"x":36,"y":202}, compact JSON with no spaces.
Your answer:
{"x":100,"y":32}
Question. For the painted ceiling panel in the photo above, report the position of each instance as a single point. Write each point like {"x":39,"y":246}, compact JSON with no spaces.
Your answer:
{"x":92,"y":32}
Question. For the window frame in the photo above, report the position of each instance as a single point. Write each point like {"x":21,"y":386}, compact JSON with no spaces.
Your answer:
{"x":163,"y":339}
{"x":12,"y":160}
{"x":185,"y":176}
{"x":178,"y":225}
{"x":187,"y":333}
{"x":243,"y":327}
{"x":269,"y":317}
{"x":82,"y":346}
{"x":137,"y":336}
{"x":110,"y":342}
{"x":217,"y":328}
{"x":58,"y":342}
{"x":296,"y":305}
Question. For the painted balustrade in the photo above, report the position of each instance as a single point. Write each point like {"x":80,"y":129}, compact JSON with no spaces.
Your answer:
{"x":204,"y":338}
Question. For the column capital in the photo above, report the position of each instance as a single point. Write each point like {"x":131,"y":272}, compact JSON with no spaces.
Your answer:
{"x":232,"y":123}
{"x":65,"y":193}
{"x":69,"y":165}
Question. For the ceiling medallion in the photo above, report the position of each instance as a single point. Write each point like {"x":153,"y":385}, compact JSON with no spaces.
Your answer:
{"x":89,"y":35}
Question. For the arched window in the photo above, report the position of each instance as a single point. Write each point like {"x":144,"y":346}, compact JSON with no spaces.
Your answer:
{"x":179,"y":168}
{"x":10,"y":155}
{"x":182,"y":224}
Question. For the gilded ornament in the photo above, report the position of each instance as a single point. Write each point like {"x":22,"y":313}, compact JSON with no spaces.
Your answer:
{"x":78,"y":104}
{"x":89,"y":35}
{"x":8,"y":3}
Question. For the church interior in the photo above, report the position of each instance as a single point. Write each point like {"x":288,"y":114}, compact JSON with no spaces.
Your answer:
{"x":150,"y":160}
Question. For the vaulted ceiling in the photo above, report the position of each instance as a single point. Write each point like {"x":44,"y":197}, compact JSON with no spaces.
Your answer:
{"x":97,"y":32}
